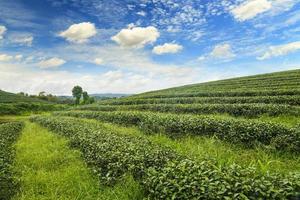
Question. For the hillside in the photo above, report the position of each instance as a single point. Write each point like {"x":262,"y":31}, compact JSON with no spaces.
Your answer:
{"x":248,"y":122}
{"x":7,"y":97}
{"x":229,"y":139}
{"x":13,"y":104}
{"x":278,"y":83}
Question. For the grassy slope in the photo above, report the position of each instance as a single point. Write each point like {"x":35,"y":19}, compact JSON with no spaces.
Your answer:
{"x":7,"y":97}
{"x":48,"y":169}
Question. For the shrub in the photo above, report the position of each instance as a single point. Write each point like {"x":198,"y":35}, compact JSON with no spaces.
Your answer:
{"x":246,"y":132}
{"x":163,"y":173}
{"x":9,"y":133}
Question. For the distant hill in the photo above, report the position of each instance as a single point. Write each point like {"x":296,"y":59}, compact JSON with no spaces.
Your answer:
{"x":110,"y":95}
{"x":7,"y":97}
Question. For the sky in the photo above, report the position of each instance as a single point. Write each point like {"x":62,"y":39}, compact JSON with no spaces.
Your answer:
{"x":133,"y":46}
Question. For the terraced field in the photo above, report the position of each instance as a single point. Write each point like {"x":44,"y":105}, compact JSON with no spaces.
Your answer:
{"x":14,"y":104}
{"x":247,"y":125}
{"x":231,"y":139}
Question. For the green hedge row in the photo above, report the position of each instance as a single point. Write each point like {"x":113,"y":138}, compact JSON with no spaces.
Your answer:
{"x":19,"y":108}
{"x":162,"y":173}
{"x":228,"y":86}
{"x":263,"y":83}
{"x":9,"y":133}
{"x":247,"y":110}
{"x":284,"y":99}
{"x":234,"y":93}
{"x":246,"y":132}
{"x":112,"y":155}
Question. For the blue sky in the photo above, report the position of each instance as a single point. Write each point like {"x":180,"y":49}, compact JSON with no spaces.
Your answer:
{"x":133,"y":46}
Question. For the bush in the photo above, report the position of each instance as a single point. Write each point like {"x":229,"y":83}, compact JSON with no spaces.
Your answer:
{"x":283,"y":99}
{"x":19,"y":108}
{"x":163,"y":173}
{"x":186,"y":179}
{"x":9,"y":133}
{"x":246,"y":132}
{"x":246,"y":110}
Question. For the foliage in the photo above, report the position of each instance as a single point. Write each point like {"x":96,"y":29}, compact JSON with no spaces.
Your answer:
{"x":19,"y":108}
{"x":77,"y":92}
{"x":283,"y":99}
{"x":9,"y":133}
{"x":186,"y":179}
{"x":225,"y":93}
{"x":246,"y":110}
{"x":85,"y":97}
{"x":246,"y":132}
{"x":163,"y":173}
{"x":7,"y":97}
{"x":272,"y":84}
{"x":48,"y":169}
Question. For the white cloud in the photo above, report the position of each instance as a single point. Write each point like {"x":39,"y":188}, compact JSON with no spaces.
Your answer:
{"x":5,"y":58}
{"x":167,"y":48}
{"x":23,"y":40}
{"x":136,"y":36}
{"x":279,"y":6}
{"x":98,"y":61}
{"x":250,"y":9}
{"x":2,"y":31}
{"x":61,"y":82}
{"x":141,"y":13}
{"x":222,"y":51}
{"x":51,"y":63}
{"x":201,"y":58}
{"x":79,"y":33}
{"x":19,"y":57}
{"x":280,"y":50}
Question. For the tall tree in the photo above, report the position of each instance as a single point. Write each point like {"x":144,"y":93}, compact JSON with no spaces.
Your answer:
{"x":77,"y":92}
{"x":85,"y":97}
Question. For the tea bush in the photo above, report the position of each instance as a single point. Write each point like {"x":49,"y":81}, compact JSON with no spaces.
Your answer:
{"x":246,"y":110}
{"x":9,"y":133}
{"x":283,"y":99}
{"x":163,"y":173}
{"x":246,"y":132}
{"x":19,"y":108}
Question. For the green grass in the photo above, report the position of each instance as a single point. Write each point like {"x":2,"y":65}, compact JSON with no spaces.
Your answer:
{"x":199,"y":148}
{"x":49,"y":169}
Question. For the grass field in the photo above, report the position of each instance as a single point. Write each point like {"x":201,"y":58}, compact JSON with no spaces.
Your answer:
{"x":230,"y":139}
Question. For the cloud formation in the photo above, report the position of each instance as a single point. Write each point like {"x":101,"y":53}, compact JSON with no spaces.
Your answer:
{"x":5,"y":58}
{"x":280,"y":50}
{"x":51,"y":63}
{"x":136,"y":37}
{"x":19,"y":57}
{"x":79,"y":33}
{"x":2,"y":31}
{"x":167,"y":48}
{"x":98,"y":61}
{"x":222,"y":51}
{"x":23,"y":40}
{"x":250,"y":9}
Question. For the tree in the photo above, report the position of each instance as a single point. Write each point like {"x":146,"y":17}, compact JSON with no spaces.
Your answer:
{"x":77,"y":92}
{"x":92,"y":100}
{"x":85,"y":97}
{"x":41,"y":94}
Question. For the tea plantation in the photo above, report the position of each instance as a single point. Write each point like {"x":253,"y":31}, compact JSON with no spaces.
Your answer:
{"x":230,"y":139}
{"x":16,"y":104}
